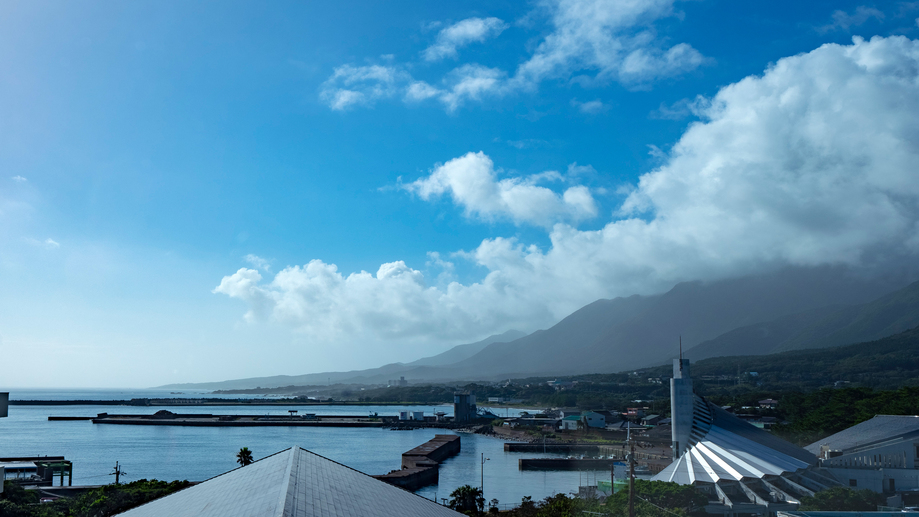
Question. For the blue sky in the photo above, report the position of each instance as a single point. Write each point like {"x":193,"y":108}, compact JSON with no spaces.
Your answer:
{"x":191,"y":191}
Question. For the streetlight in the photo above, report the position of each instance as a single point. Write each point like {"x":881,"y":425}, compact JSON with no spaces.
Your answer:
{"x":482,"y":485}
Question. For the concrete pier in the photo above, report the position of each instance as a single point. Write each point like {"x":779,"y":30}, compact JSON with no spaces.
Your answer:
{"x":421,"y":465}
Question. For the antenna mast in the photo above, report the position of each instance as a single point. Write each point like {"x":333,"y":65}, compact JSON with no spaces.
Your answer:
{"x":681,"y":352}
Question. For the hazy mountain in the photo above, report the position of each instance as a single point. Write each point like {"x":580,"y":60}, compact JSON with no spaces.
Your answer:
{"x":625,"y":333}
{"x":638,"y":331}
{"x":369,"y":376}
{"x":461,"y":352}
{"x":819,"y":328}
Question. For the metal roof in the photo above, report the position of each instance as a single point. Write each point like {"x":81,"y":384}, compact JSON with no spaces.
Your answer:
{"x":879,"y":428}
{"x":292,"y":483}
{"x":725,"y":447}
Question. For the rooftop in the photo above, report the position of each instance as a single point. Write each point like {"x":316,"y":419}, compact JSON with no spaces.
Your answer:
{"x":879,"y":428}
{"x":292,"y":483}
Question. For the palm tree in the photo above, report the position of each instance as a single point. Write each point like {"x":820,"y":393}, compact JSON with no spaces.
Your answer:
{"x":467,"y":499}
{"x":244,"y":457}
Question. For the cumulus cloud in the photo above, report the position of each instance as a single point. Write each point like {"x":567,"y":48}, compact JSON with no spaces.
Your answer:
{"x":473,"y":183}
{"x":615,"y":40}
{"x":813,"y":162}
{"x":462,"y":33}
{"x":19,"y":179}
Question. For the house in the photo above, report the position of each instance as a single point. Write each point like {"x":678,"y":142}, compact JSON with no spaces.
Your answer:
{"x":570,"y":423}
{"x":293,"y":483}
{"x":651,"y":420}
{"x":768,"y":403}
{"x":593,"y":419}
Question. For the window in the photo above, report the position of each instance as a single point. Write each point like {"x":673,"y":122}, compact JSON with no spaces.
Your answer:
{"x":893,"y":485}
{"x":853,"y":482}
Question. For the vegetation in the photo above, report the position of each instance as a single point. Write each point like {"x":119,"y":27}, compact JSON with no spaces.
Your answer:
{"x":843,"y":499}
{"x":812,"y":416}
{"x":653,"y":499}
{"x":101,"y":502}
{"x":244,"y":457}
{"x":467,"y":499}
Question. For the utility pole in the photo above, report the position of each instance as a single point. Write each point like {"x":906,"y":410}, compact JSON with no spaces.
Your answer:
{"x":482,"y":485}
{"x":631,"y":477}
{"x":117,"y":473}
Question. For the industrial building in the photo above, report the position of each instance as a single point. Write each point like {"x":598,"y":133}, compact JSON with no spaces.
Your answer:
{"x":881,"y":454}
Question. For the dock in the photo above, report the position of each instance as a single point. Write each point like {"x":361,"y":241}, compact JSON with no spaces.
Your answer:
{"x":421,"y":465}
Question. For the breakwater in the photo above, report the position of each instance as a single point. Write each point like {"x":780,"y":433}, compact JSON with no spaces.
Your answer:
{"x":564,"y":464}
{"x":421,"y":465}
{"x":164,"y":417}
{"x":557,"y":448}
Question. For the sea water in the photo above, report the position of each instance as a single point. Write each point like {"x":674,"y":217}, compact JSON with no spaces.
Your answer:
{"x":199,"y":453}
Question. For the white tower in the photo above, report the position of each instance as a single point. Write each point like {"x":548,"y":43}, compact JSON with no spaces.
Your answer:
{"x":681,"y":405}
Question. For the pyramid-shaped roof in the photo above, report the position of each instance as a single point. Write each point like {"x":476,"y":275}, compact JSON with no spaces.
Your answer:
{"x":292,"y":483}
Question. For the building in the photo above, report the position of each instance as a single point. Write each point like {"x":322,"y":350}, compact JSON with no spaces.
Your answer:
{"x":881,"y":454}
{"x":741,"y":468}
{"x":292,"y":483}
{"x":593,"y":419}
{"x":36,"y":470}
{"x":768,"y":403}
{"x":570,"y":423}
{"x":464,"y":409}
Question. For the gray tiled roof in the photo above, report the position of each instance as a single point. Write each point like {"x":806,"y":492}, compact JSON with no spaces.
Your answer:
{"x":292,"y":483}
{"x":881,"y":427}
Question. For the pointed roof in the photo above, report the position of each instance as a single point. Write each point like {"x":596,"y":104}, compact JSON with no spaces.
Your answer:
{"x":724,"y":447}
{"x":292,"y":483}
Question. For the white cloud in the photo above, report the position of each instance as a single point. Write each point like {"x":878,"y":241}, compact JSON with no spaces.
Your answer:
{"x":612,"y":38}
{"x":472,"y":182}
{"x":593,"y":107}
{"x":599,"y":40}
{"x":258,"y":262}
{"x":845,"y":21}
{"x":19,"y":179}
{"x":352,"y":86}
{"x":462,"y":33}
{"x":814,"y":162}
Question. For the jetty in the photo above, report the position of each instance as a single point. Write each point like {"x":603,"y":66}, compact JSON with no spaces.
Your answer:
{"x":421,"y":465}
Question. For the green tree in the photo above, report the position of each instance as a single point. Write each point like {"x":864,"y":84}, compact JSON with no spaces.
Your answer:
{"x":843,"y":498}
{"x":467,"y":499}
{"x":244,"y":457}
{"x":651,"y":496}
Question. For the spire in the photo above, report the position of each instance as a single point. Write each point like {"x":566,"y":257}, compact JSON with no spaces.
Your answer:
{"x":681,"y":352}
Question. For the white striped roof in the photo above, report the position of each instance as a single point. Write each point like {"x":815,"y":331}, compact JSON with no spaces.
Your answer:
{"x":725,"y":447}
